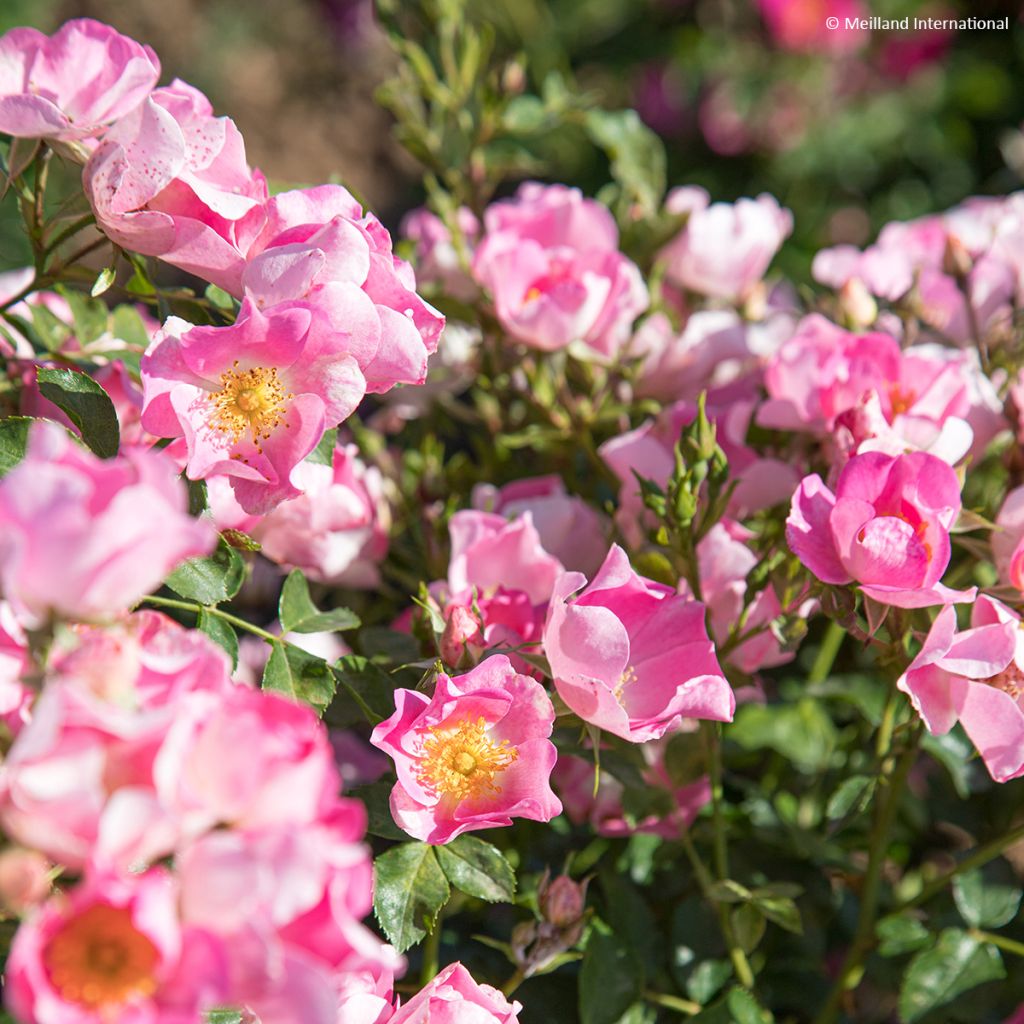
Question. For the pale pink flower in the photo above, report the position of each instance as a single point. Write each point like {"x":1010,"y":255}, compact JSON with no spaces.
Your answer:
{"x":1008,"y":539}
{"x":366,"y":997}
{"x":171,"y":180}
{"x":25,"y":879}
{"x":475,"y":755}
{"x":15,"y":697}
{"x":336,"y":531}
{"x":84,"y":538}
{"x":114,"y":949}
{"x":437,"y":259}
{"x":886,"y":528}
{"x":724,"y":249}
{"x":251,"y":400}
{"x":568,"y":528}
{"x":455,"y":998}
{"x":71,"y":85}
{"x":551,"y":261}
{"x":632,"y":656}
{"x":318,"y":246}
{"x":975,"y":677}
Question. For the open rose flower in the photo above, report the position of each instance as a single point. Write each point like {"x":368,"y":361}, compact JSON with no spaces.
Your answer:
{"x":550,"y":259}
{"x":975,"y":677}
{"x":632,"y":656}
{"x":71,"y":85}
{"x":114,"y":949}
{"x":1008,"y":539}
{"x":885,"y":528}
{"x":453,"y":997}
{"x":475,"y":755}
{"x":318,"y":246}
{"x":251,"y":400}
{"x":171,"y":180}
{"x":84,"y":538}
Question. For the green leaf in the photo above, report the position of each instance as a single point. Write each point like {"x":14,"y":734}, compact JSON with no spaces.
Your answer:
{"x":298,"y":614}
{"x":300,"y":675}
{"x":749,"y":925}
{"x":89,"y":315}
{"x":210,"y":579}
{"x":368,"y":685}
{"x":376,"y":798}
{"x":852,"y":794}
{"x":221,"y":633}
{"x":323,"y":453}
{"x":478,"y":869}
{"x":611,"y":979}
{"x":802,"y":732}
{"x":707,"y":978}
{"x":127,"y":325}
{"x":954,"y":751}
{"x":745,"y":1009}
{"x":86,"y":404}
{"x":636,"y":153}
{"x":781,"y":911}
{"x":13,"y":441}
{"x":901,"y":933}
{"x":104,"y":279}
{"x":985,"y":904}
{"x":223,"y":1017}
{"x":409,"y":891}
{"x":936,"y":976}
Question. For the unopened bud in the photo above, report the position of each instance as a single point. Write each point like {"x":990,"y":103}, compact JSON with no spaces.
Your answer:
{"x":857,"y":305}
{"x":462,"y":628}
{"x":956,"y":260}
{"x":513,"y":78}
{"x":562,"y":901}
{"x":24,"y":880}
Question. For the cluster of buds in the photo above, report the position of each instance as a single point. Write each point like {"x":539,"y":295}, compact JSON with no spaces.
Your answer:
{"x":539,"y":946}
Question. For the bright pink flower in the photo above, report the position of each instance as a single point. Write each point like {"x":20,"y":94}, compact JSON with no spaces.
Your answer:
{"x":171,"y":180}
{"x":801,"y":25}
{"x":885,"y":528}
{"x":318,"y":246}
{"x":366,"y":997}
{"x":251,"y":400}
{"x":114,"y":949}
{"x":453,"y":997}
{"x":71,"y":85}
{"x":78,"y":781}
{"x":437,"y":259}
{"x":250,"y":758}
{"x":724,"y":249}
{"x":475,"y":755}
{"x":15,"y":697}
{"x":551,"y":261}
{"x":975,"y":677}
{"x":568,"y":528}
{"x":336,"y":531}
{"x":631,"y":656}
{"x":85,"y":538}
{"x":1008,"y":539}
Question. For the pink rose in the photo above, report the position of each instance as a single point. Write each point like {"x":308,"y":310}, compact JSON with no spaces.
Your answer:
{"x":26,"y":878}
{"x":1008,"y":540}
{"x":114,"y":948}
{"x":437,"y":259}
{"x":318,"y":246}
{"x":336,"y":531}
{"x":251,"y":400}
{"x":15,"y":697}
{"x":568,"y":528}
{"x":631,"y":656}
{"x":975,"y":677}
{"x":550,"y":259}
{"x":724,"y":249}
{"x":171,"y":180}
{"x":475,"y":755}
{"x":366,"y":997}
{"x":455,"y":998}
{"x":85,"y":538}
{"x":885,"y":528}
{"x":71,"y":85}
{"x":799,"y":25}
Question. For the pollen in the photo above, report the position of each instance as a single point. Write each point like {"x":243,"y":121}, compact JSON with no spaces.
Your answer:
{"x":462,"y":760}
{"x":252,"y":402}
{"x":901,"y":400}
{"x":626,"y":679}
{"x":99,"y":959}
{"x":1010,"y":680}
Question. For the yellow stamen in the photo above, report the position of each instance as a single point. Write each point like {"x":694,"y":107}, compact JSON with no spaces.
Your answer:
{"x":626,"y":679}
{"x":99,"y":958}
{"x":250,"y":401}
{"x":1010,"y":680}
{"x":462,"y":760}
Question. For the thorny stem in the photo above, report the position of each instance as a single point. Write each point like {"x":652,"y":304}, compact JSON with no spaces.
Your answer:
{"x":195,"y":608}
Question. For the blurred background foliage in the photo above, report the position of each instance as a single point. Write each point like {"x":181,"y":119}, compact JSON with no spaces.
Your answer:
{"x":849,"y":130}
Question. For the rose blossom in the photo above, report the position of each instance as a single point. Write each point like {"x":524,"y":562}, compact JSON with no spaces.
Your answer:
{"x":975,"y":677}
{"x":475,"y":755}
{"x":724,"y":249}
{"x":171,"y":180}
{"x":251,"y":400}
{"x":550,"y":258}
{"x":71,"y":85}
{"x":336,"y":531}
{"x":25,"y":879}
{"x":886,"y":527}
{"x":114,"y":949}
{"x":317,"y":246}
{"x":85,"y":538}
{"x":453,"y":997}
{"x":437,"y":259}
{"x":632,"y":656}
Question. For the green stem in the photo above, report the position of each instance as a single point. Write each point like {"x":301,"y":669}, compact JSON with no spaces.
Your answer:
{"x":713,"y":747}
{"x":878,"y":845}
{"x":513,"y":983}
{"x":195,"y":608}
{"x":686,"y":1006}
{"x":431,"y":953}
{"x":1008,"y":945}
{"x":70,"y":231}
{"x":982,"y":855}
{"x":827,"y":653}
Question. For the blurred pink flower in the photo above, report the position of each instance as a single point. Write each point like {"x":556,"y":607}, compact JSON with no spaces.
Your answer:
{"x":455,"y":998}
{"x":437,"y":259}
{"x":804,"y":24}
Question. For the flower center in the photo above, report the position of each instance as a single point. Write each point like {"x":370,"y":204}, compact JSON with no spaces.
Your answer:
{"x":1010,"y":680}
{"x":99,"y":958}
{"x":462,"y":760}
{"x":899,"y":400}
{"x":249,"y":401}
{"x":626,"y":679}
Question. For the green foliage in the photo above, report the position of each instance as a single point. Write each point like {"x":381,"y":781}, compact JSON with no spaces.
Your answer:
{"x":299,"y":675}
{"x":86,"y":404}
{"x":478,"y":869}
{"x":410,"y":888}
{"x":210,"y":579}
{"x":298,"y":614}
